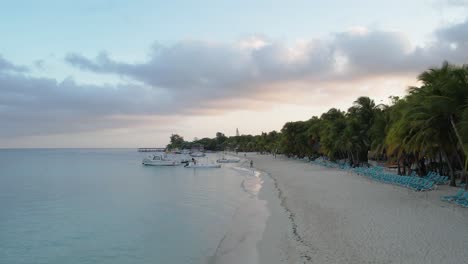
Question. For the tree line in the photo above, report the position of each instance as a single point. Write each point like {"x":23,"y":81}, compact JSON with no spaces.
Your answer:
{"x":425,"y":130}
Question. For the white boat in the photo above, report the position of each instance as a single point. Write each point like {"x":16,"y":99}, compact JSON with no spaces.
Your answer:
{"x":197,"y":154}
{"x":159,"y":159}
{"x":224,"y":160}
{"x":202,"y":165}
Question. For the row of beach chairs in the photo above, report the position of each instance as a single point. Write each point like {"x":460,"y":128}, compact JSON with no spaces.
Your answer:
{"x":429,"y":182}
{"x":460,"y":198}
{"x":437,"y":178}
{"x":378,"y":173}
{"x":414,"y":183}
{"x":326,"y":163}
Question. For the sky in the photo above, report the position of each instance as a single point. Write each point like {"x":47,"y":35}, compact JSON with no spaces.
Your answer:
{"x":97,"y":73}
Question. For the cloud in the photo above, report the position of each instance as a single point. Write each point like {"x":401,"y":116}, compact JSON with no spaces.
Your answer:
{"x":373,"y":52}
{"x":8,"y":66}
{"x":454,"y":4}
{"x":206,"y":65}
{"x":34,"y":106}
{"x":457,"y":3}
{"x":225,"y":69}
{"x":457,"y":34}
{"x":39,"y":64}
{"x":205,"y":78}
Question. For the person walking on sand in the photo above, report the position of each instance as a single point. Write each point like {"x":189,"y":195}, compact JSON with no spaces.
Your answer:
{"x":251,"y":163}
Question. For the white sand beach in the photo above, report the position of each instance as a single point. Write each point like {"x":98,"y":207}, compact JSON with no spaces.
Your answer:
{"x":337,"y":217}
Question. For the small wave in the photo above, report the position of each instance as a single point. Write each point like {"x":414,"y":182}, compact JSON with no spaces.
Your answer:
{"x":250,"y":172}
{"x":252,"y":183}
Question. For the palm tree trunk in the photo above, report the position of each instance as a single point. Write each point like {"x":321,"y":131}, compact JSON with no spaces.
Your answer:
{"x":404,"y":167}
{"x":466,"y":180}
{"x":418,"y":164}
{"x":405,"y":164}
{"x":459,"y":159}
{"x":452,"y":176}
{"x":460,"y":163}
{"x":440,"y":163}
{"x":460,"y":142}
{"x":398,"y":164}
{"x":342,"y":155}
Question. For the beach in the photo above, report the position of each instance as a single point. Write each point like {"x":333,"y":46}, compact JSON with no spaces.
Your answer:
{"x":322,"y":215}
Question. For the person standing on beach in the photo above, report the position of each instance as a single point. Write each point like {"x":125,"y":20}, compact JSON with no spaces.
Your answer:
{"x":251,"y":163}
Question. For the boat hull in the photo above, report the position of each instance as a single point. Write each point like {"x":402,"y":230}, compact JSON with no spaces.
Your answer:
{"x":148,"y":162}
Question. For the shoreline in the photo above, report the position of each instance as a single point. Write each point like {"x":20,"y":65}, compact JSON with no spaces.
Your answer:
{"x":262,"y":229}
{"x":280,"y":242}
{"x":250,"y":223}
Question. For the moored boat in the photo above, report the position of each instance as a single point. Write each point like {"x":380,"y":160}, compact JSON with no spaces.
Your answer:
{"x":159,"y":159}
{"x":224,"y":160}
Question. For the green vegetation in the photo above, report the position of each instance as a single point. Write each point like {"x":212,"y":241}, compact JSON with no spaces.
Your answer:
{"x":177,"y":142}
{"x":425,"y":130}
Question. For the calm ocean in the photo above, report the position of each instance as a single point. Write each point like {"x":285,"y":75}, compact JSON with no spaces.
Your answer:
{"x":102,"y":206}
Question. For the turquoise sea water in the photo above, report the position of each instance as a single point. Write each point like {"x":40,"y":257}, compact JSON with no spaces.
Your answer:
{"x":103,"y":206}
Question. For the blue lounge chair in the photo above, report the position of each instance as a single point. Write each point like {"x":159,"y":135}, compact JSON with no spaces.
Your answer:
{"x":463,"y":200}
{"x":450,"y":198}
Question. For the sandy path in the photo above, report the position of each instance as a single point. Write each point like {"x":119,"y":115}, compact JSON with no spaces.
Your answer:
{"x":336,"y":217}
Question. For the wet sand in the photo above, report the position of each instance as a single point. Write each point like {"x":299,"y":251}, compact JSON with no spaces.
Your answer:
{"x":241,"y":243}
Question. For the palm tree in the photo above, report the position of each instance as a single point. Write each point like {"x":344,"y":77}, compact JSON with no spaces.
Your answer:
{"x":442,"y":99}
{"x":426,"y":122}
{"x":361,"y":118}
